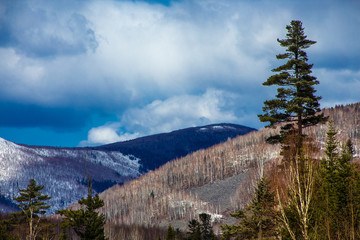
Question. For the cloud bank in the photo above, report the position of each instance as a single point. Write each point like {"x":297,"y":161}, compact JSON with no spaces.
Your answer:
{"x":164,"y":116}
{"x":163,"y":67}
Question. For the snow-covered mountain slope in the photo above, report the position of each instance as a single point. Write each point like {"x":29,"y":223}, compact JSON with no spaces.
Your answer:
{"x":62,"y":171}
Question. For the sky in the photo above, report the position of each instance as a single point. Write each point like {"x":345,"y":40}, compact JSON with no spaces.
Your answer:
{"x":91,"y":72}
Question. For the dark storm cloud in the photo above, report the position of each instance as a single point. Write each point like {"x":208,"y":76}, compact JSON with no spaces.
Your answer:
{"x":22,"y":115}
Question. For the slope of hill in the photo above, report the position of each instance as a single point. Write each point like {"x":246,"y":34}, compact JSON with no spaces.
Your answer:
{"x":215,"y":180}
{"x":63,"y":170}
{"x":155,"y":150}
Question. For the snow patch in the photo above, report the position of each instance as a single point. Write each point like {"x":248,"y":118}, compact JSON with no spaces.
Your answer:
{"x":217,"y":128}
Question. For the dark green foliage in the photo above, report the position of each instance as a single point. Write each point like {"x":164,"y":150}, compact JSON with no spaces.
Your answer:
{"x":87,"y":223}
{"x":173,"y":234}
{"x":336,"y":208}
{"x":63,"y":235}
{"x":194,"y":232}
{"x":31,"y":201}
{"x":170,"y":233}
{"x":207,"y":232}
{"x":259,"y":220}
{"x":5,"y":230}
{"x":201,"y":230}
{"x":32,"y":204}
{"x":295,"y":104}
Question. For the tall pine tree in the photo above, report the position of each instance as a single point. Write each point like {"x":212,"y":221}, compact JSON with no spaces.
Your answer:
{"x":32,"y":204}
{"x":295,"y":105}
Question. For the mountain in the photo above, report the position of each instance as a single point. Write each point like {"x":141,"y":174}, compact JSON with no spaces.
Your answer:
{"x":155,"y":150}
{"x":63,"y":170}
{"x":216,"y":180}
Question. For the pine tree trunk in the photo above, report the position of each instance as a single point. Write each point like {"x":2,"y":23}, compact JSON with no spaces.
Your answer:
{"x":31,"y":225}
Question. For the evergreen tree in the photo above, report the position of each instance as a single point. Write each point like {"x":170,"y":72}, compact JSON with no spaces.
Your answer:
{"x":32,"y":204}
{"x":5,"y":230}
{"x":329,"y":183}
{"x":295,"y":104}
{"x":259,"y":220}
{"x":338,"y":197}
{"x":194,"y":232}
{"x":87,"y":223}
{"x":170,"y":233}
{"x":201,"y":230}
{"x":206,"y":230}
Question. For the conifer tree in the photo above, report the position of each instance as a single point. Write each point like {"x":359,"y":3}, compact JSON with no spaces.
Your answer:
{"x":338,"y":197}
{"x":87,"y":223}
{"x":170,"y":233}
{"x":32,"y":204}
{"x":194,"y":232}
{"x":207,"y":232}
{"x":201,"y":230}
{"x":329,"y":183}
{"x":295,"y":104}
{"x":5,"y":229}
{"x":259,"y":220}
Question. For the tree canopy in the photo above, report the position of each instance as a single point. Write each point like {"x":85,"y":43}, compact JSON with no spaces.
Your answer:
{"x":295,"y":106}
{"x":87,"y":223}
{"x":32,"y":203}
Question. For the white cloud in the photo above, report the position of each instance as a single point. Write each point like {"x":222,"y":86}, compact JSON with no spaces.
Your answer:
{"x":143,"y":52}
{"x":167,"y":115}
{"x":103,"y":135}
{"x":180,"y":111}
{"x":106,"y":134}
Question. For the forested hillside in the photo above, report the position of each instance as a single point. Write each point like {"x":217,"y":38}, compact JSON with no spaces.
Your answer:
{"x":63,"y":170}
{"x":173,"y":193}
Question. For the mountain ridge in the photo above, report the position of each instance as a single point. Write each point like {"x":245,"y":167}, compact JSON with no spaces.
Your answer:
{"x":155,"y":150}
{"x":63,"y":170}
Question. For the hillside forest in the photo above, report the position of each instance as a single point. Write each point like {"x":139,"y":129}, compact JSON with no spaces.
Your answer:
{"x":298,"y":178}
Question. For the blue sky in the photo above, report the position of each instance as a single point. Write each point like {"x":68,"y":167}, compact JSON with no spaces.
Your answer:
{"x":79,"y":73}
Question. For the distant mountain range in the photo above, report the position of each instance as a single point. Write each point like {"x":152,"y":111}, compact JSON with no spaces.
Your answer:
{"x":155,"y":150}
{"x":63,"y":170}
